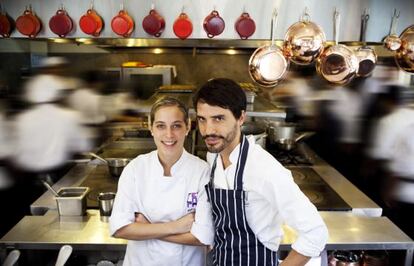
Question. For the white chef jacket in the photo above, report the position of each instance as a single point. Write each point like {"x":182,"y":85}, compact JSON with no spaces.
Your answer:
{"x":89,"y":104}
{"x":394,"y":141}
{"x":273,"y":199}
{"x":143,"y":188}
{"x":46,"y":136}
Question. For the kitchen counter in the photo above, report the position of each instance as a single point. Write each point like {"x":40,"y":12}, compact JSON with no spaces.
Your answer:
{"x":346,"y":231}
{"x":260,"y":108}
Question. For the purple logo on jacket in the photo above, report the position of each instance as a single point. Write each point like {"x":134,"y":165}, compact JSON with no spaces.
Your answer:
{"x":191,"y":201}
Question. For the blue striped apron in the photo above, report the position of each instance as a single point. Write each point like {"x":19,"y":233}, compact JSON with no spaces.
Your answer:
{"x":234,"y":241}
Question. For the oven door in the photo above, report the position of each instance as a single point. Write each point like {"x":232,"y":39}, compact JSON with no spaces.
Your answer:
{"x":143,"y":82}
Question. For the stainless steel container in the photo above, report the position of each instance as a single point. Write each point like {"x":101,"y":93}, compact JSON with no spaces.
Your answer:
{"x":72,"y":201}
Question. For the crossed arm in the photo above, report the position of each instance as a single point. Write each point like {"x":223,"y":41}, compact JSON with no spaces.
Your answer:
{"x":177,"y":231}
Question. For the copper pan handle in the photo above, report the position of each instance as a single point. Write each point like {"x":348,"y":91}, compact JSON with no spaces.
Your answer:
{"x":273,"y":26}
{"x":337,"y":21}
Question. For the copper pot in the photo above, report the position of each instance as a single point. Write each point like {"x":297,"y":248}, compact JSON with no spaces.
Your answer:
{"x":122,"y":24}
{"x":337,"y":64}
{"x":213,"y":24}
{"x":28,"y":23}
{"x":366,"y":56}
{"x":245,"y":26}
{"x":91,"y":23}
{"x":61,"y":24}
{"x":392,"y":42}
{"x":405,"y":55}
{"x":304,"y":41}
{"x":153,"y":23}
{"x":6,"y":23}
{"x":268,"y":64}
{"x":183,"y":27}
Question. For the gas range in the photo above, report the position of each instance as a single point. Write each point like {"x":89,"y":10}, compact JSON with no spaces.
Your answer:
{"x":309,"y":181}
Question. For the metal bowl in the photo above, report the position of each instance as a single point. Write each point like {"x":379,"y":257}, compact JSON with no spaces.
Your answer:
{"x":116,"y":165}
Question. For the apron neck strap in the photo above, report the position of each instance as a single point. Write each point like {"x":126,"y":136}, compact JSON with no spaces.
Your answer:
{"x":241,"y":162}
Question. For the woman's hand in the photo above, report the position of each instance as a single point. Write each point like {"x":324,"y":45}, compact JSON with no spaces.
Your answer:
{"x":140,"y":218}
{"x":183,"y":225}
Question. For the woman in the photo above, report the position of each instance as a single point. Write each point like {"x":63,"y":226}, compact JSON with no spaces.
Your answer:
{"x":156,"y":204}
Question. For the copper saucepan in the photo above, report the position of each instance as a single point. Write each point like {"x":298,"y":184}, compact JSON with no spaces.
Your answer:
{"x":405,"y":55}
{"x":304,"y":41}
{"x":366,"y":55}
{"x":337,"y":64}
{"x":392,"y":42}
{"x":268,"y":64}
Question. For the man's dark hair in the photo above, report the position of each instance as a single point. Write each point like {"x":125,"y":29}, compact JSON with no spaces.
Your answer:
{"x":224,"y":93}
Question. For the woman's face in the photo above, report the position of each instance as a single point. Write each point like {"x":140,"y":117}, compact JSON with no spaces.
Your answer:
{"x":169,"y":131}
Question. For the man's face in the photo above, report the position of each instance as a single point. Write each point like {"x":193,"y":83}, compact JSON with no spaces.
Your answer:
{"x":218,"y":127}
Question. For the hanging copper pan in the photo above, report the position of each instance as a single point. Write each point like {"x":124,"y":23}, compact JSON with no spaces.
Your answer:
{"x":245,"y":26}
{"x":183,"y":27}
{"x":153,"y":23}
{"x":213,"y":24}
{"x":366,"y":55}
{"x":122,"y":24}
{"x":405,"y":55}
{"x":61,"y":24}
{"x":28,"y":23}
{"x":6,"y":24}
{"x":268,"y":64}
{"x":337,"y":64}
{"x":91,"y":23}
{"x":304,"y":41}
{"x":392,"y":42}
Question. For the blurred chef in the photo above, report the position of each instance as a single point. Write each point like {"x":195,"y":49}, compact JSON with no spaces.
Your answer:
{"x":163,"y":189}
{"x":46,"y":134}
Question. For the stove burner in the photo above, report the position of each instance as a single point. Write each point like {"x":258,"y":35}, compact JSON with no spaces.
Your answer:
{"x":313,"y":196}
{"x":290,"y":157}
{"x":298,"y":177}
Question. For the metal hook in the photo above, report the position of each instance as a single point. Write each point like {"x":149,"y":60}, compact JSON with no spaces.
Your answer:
{"x":365,"y":15}
{"x":305,"y":16}
{"x":182,"y":9}
{"x":152,"y":6}
{"x":91,"y":6}
{"x":395,"y":13}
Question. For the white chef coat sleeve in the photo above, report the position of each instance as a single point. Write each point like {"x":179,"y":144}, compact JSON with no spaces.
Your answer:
{"x":383,"y":139}
{"x":297,"y":212}
{"x":124,"y":208}
{"x":203,"y":228}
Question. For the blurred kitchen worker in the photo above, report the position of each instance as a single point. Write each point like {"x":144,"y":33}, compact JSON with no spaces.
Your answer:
{"x":250,"y":192}
{"x":46,"y":135}
{"x":89,"y":102}
{"x":393,"y":145}
{"x":156,"y":206}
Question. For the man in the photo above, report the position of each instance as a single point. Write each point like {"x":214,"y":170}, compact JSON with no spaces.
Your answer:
{"x":251,"y":193}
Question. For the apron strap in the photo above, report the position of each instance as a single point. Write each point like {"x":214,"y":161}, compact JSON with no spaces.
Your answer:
{"x":241,"y":162}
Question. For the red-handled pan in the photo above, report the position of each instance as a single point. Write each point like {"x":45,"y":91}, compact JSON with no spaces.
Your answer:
{"x":213,"y":24}
{"x":91,"y":23}
{"x":183,"y":27}
{"x":153,"y":23}
{"x":245,"y":26}
{"x":6,"y":24}
{"x":28,"y":23}
{"x":122,"y":24}
{"x":61,"y":24}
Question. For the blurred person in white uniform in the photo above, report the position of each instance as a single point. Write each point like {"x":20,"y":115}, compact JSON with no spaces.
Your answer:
{"x":251,"y":193}
{"x":157,"y":203}
{"x":46,"y":135}
{"x":393,"y":148}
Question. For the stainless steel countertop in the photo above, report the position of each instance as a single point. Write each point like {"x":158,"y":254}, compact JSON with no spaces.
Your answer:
{"x":347,"y":231}
{"x":261,"y":107}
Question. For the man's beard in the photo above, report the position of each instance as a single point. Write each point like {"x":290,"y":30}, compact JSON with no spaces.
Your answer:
{"x":226,"y":141}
